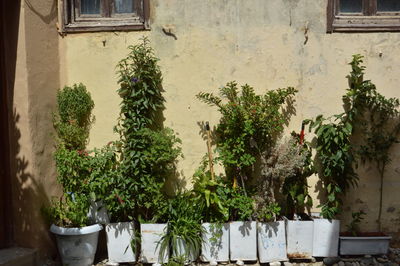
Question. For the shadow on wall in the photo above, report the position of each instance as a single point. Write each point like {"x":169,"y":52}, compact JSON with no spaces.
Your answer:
{"x":30,"y":100}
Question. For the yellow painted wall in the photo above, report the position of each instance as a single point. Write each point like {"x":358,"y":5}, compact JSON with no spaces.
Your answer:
{"x":262,"y":43}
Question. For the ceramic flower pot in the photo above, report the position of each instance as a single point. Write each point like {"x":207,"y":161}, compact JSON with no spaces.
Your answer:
{"x":326,"y":237}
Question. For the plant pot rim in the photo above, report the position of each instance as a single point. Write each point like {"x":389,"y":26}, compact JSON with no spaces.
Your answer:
{"x":72,"y":231}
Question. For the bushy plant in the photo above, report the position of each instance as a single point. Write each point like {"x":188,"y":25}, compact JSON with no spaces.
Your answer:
{"x":73,"y":119}
{"x":68,"y":211}
{"x":286,"y":169}
{"x":249,"y":125}
{"x":148,"y":152}
{"x":72,"y":122}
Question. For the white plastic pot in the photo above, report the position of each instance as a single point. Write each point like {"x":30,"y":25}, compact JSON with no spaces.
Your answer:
{"x":365,"y":245}
{"x":119,"y":242}
{"x":271,"y":239}
{"x":215,"y":245}
{"x":243,"y":241}
{"x":326,"y":238}
{"x":299,"y":237}
{"x":151,"y":235}
{"x":77,"y":246}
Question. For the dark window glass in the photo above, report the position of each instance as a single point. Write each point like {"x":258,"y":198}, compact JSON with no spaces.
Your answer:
{"x":90,"y":6}
{"x":124,"y":6}
{"x":388,"y":5}
{"x":351,"y":6}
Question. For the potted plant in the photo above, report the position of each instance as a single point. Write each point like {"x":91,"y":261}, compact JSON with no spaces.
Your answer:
{"x":354,"y":242}
{"x":76,"y":237}
{"x":210,"y":191}
{"x":287,"y":169}
{"x":148,"y":151}
{"x":377,"y":120}
{"x":249,"y":126}
{"x":183,"y":237}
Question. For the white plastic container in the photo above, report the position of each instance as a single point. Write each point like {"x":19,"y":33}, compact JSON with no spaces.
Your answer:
{"x":299,"y":237}
{"x":77,"y":246}
{"x":151,"y":235}
{"x":326,"y":238}
{"x":368,"y":245}
{"x":215,"y":245}
{"x":243,"y":241}
{"x":119,"y":242}
{"x":271,"y":240}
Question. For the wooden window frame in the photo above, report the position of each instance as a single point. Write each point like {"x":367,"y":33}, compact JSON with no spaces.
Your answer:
{"x":108,"y":20}
{"x":370,"y":20}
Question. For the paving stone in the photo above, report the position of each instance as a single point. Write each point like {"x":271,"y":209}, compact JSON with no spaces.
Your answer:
{"x":331,"y":261}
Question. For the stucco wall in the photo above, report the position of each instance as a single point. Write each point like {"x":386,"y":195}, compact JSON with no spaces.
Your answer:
{"x":267,"y":44}
{"x":32,"y":96}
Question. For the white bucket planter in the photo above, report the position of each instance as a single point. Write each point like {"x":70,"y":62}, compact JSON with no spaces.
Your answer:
{"x":243,"y":241}
{"x":271,"y":242}
{"x":365,"y":245}
{"x":326,"y":238}
{"x":299,"y":237}
{"x":98,"y":212}
{"x":119,"y":242}
{"x":77,"y":246}
{"x":151,"y":235}
{"x":215,"y":245}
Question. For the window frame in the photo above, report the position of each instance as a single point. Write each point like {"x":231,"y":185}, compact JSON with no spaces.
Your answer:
{"x":370,"y":20}
{"x":108,"y":20}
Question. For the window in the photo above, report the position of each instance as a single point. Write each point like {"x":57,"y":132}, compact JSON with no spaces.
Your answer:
{"x":363,"y":15}
{"x":105,"y":15}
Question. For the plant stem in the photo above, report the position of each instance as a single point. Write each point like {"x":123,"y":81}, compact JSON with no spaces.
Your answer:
{"x":381,"y":172}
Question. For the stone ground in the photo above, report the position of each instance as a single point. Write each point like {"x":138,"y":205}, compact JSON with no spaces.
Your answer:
{"x":391,"y":259}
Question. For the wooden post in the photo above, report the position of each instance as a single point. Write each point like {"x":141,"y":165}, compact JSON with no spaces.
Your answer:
{"x":210,"y":158}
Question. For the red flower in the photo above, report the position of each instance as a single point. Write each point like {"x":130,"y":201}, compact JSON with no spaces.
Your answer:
{"x":119,"y":199}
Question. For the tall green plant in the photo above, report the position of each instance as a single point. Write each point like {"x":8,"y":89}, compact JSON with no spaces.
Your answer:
{"x":378,"y":119}
{"x":335,"y":157}
{"x":250,"y":124}
{"x":148,"y":152}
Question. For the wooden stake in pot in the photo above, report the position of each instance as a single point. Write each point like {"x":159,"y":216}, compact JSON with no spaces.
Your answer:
{"x":210,"y":158}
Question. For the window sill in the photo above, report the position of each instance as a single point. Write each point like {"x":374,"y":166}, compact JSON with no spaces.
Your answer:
{"x":365,"y":24}
{"x":103,"y":26}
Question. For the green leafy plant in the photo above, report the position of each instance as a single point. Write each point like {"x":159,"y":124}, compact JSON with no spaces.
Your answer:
{"x":68,"y":211}
{"x":72,"y":123}
{"x":336,"y":159}
{"x":184,"y":232}
{"x":209,"y":192}
{"x":176,"y":261}
{"x":250,"y":124}
{"x":148,"y":151}
{"x":377,"y":118}
{"x":354,"y":227}
{"x":74,"y":118}
{"x":286,"y":169}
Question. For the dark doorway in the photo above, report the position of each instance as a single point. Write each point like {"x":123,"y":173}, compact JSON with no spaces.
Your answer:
{"x":9,"y":25}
